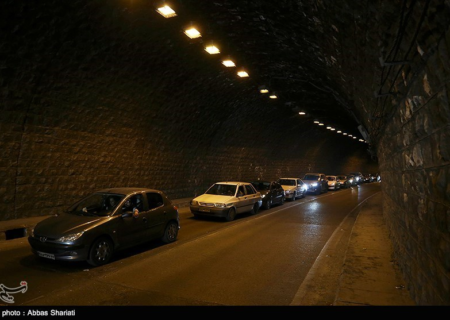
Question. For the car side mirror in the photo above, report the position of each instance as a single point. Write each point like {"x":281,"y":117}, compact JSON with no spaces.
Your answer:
{"x":126,"y":214}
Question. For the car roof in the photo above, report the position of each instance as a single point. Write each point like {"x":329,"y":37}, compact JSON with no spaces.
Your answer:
{"x":291,"y":178}
{"x":232,"y":182}
{"x":128,"y":190}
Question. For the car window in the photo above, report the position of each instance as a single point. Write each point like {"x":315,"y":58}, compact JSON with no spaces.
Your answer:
{"x":311,"y":177}
{"x":249,"y":189}
{"x":287,"y":182}
{"x":241,"y":191}
{"x":155,"y":200}
{"x":222,"y":189}
{"x":97,"y":204}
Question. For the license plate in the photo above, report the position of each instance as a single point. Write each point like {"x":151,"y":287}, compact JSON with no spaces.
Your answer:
{"x":204,"y":209}
{"x":46,"y":255}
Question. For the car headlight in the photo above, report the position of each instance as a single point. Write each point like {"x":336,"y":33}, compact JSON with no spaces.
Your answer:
{"x":314,"y":184}
{"x":194,"y":203}
{"x":222,"y":205}
{"x":263,"y":195}
{"x":71,"y":237}
{"x":287,"y":192}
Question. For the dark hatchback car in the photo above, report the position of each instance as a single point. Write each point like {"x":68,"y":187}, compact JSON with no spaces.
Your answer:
{"x":271,"y":193}
{"x":104,"y":222}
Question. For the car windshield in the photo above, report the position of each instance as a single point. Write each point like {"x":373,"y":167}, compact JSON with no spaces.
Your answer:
{"x":222,"y":189}
{"x":261,"y":185}
{"x":97,"y":204}
{"x":311,"y":177}
{"x":287,"y":182}
{"x":342,"y":177}
{"x":331,"y":178}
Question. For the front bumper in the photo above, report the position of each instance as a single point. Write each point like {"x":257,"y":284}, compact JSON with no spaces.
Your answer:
{"x":58,"y":251}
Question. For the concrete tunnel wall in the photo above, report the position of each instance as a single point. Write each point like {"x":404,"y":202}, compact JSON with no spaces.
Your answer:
{"x":94,"y":98}
{"x":91,"y":101}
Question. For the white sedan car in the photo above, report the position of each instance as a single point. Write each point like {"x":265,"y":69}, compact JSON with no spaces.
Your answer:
{"x":334,"y":183}
{"x":226,"y":199}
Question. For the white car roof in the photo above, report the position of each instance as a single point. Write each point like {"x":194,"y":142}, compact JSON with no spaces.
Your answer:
{"x":232,"y":182}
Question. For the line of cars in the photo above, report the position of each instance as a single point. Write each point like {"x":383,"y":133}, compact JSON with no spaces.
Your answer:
{"x":110,"y":220}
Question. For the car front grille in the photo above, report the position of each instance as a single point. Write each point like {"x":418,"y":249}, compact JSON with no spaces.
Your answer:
{"x":206,"y":204}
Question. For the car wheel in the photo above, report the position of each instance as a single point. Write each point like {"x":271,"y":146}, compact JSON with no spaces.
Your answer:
{"x":294,"y":196}
{"x":231,"y":214}
{"x":282,"y":200}
{"x":255,"y":209}
{"x":268,"y":204}
{"x":171,"y":232}
{"x":101,"y":252}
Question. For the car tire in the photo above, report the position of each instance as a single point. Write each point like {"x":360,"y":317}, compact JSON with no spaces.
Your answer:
{"x":268,"y":204}
{"x":101,"y":252}
{"x":255,"y":209}
{"x":282,"y":200}
{"x":170,"y":233}
{"x":231,"y":214}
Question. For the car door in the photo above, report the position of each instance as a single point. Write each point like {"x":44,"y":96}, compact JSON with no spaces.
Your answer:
{"x":277,"y":191}
{"x":252,"y":195}
{"x":131,"y":229}
{"x":155,"y":215}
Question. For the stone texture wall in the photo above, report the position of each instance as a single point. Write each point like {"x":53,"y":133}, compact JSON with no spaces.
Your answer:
{"x":97,"y":94}
{"x":396,"y":68}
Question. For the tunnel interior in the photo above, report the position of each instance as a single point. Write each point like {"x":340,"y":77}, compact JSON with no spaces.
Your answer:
{"x":110,"y":93}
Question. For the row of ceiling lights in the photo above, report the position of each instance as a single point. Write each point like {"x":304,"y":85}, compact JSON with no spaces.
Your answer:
{"x":192,"y":32}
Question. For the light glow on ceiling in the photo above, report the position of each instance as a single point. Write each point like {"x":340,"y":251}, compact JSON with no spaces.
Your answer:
{"x":212,"y":49}
{"x":166,"y":11}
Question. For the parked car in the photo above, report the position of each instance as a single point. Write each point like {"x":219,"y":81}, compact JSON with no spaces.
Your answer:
{"x":317,"y":182}
{"x":345,"y":182}
{"x":271,"y":193}
{"x":104,"y":222}
{"x":333,"y":183}
{"x":351,"y":178}
{"x":226,"y":200}
{"x":359,"y":177}
{"x":293,"y":187}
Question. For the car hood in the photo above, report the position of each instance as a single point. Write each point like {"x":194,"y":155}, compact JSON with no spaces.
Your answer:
{"x":212,"y":198}
{"x":64,"y":224}
{"x":288,"y":187}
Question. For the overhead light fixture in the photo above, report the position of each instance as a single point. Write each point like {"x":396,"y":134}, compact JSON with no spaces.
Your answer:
{"x":273,"y":96}
{"x":350,"y":135}
{"x":242,"y":74}
{"x":328,"y":127}
{"x":302,"y":113}
{"x":228,"y":63}
{"x":321,"y":124}
{"x":344,"y":133}
{"x":339,"y":131}
{"x":166,"y":11}
{"x":316,"y":121}
{"x":354,"y":137}
{"x":212,"y":49}
{"x":332,"y":129}
{"x":192,"y":33}
{"x":263,"y":89}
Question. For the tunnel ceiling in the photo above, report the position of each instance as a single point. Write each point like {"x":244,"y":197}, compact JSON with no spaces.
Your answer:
{"x":281,"y":45}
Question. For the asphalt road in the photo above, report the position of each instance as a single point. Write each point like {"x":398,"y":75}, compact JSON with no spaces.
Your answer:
{"x":258,"y":260}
